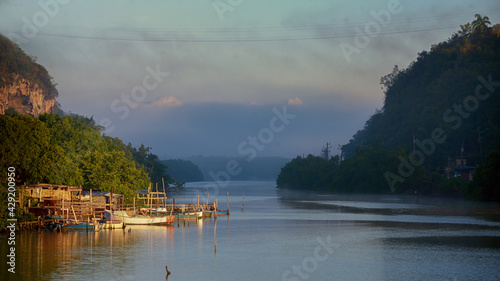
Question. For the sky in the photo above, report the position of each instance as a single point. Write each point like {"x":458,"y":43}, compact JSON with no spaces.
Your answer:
{"x":230,"y":77}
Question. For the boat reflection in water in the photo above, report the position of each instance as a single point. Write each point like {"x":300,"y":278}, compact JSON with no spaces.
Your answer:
{"x":323,"y":236}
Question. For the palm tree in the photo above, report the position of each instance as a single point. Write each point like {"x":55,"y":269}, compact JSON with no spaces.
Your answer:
{"x":480,"y":23}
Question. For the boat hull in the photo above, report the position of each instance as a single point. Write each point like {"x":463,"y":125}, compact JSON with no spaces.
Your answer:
{"x":139,"y":220}
{"x":189,"y":216}
{"x":222,"y":212}
{"x":83,"y":225}
{"x":112,"y":224}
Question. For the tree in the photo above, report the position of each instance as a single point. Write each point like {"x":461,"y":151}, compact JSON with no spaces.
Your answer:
{"x":465,"y":29}
{"x":496,"y":29}
{"x":480,"y":24}
{"x":486,"y":185}
{"x":388,"y":80}
{"x":26,"y":145}
{"x":325,"y":151}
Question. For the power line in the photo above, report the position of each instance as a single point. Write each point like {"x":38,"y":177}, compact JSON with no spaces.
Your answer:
{"x":277,"y":28}
{"x":228,"y":40}
{"x":335,"y":31}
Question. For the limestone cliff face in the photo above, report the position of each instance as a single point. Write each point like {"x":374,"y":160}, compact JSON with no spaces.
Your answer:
{"x":26,"y":98}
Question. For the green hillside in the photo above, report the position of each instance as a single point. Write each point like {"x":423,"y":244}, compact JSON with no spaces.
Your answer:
{"x":442,"y":107}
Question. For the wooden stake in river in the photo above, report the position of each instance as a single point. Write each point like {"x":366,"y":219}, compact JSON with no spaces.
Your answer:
{"x":243,"y":204}
{"x":215,"y":237}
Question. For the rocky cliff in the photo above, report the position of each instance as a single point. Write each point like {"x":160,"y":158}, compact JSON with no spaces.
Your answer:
{"x":25,"y":97}
{"x":25,"y":85}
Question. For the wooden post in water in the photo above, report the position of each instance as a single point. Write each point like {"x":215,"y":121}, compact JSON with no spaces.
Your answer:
{"x":227,"y":194}
{"x":243,"y":204}
{"x":215,"y":237}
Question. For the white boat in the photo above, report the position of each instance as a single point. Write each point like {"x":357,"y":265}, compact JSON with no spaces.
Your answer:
{"x":112,"y":224}
{"x":138,"y":219}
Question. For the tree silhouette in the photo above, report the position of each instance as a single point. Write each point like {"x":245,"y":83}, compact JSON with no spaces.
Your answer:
{"x":480,"y":24}
{"x":325,"y":151}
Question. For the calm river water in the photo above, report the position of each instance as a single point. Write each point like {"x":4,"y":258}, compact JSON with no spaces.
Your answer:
{"x":280,"y":236}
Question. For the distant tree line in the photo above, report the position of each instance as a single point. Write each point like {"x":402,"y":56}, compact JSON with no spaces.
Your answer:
{"x":260,"y":168}
{"x":183,"y":170}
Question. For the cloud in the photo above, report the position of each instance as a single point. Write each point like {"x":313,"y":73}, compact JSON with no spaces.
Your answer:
{"x":295,"y":101}
{"x":169,"y":101}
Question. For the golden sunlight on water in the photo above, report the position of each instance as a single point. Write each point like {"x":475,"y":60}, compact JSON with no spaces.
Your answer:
{"x":280,"y":238}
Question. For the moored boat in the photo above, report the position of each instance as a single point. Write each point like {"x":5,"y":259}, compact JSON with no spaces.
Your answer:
{"x":188,"y":216}
{"x":112,"y":224}
{"x":221,"y":212}
{"x":138,"y":219}
{"x":83,"y":225}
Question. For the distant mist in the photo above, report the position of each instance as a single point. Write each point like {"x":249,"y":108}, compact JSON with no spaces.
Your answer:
{"x":261,"y":168}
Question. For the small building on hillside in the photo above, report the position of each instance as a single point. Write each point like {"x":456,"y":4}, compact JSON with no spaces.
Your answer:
{"x":457,"y":168}
{"x":465,"y":172}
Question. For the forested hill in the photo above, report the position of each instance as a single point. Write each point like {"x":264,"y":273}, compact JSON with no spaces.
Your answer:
{"x":454,"y":86}
{"x":442,"y":107}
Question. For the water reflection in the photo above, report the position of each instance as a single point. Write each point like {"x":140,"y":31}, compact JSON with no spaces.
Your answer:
{"x":384,"y":238}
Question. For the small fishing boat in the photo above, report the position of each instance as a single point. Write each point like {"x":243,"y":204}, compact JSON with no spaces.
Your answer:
{"x":138,"y":219}
{"x":221,"y":212}
{"x":83,"y":225}
{"x":188,"y":216}
{"x":112,"y":224}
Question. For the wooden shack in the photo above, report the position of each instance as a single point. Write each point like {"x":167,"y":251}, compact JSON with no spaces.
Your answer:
{"x":66,"y":201}
{"x":46,"y":194}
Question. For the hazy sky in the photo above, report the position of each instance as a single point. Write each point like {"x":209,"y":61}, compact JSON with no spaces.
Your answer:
{"x":229,"y":77}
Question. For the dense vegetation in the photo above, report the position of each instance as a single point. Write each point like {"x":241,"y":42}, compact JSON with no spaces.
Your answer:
{"x":442,"y":106}
{"x":14,"y":62}
{"x":183,"y":170}
{"x":71,"y":151}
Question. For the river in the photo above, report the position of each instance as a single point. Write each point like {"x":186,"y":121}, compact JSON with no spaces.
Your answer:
{"x":280,"y":236}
